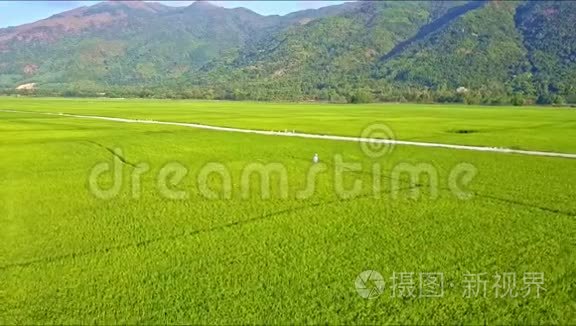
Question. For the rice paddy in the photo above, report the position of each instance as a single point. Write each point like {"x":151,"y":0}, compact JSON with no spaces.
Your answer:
{"x":191,"y":234}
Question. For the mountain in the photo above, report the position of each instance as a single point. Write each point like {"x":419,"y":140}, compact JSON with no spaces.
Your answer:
{"x":331,"y":56}
{"x":130,"y":43}
{"x":457,"y":51}
{"x":547,"y":30}
{"x":480,"y":50}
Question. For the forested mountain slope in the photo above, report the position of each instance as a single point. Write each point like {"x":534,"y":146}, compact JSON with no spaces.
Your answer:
{"x":330,"y":57}
{"x":549,"y":35}
{"x":131,"y":43}
{"x":481,"y":51}
{"x":457,"y":51}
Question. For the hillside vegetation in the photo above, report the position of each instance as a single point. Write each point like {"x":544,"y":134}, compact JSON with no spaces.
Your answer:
{"x":488,"y":52}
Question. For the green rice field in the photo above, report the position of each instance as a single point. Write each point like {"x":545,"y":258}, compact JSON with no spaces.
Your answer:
{"x":473,"y":238}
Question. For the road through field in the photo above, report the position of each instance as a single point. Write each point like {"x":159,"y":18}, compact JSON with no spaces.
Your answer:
{"x":310,"y":136}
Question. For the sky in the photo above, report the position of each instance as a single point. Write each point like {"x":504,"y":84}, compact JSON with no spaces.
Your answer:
{"x":13,"y":13}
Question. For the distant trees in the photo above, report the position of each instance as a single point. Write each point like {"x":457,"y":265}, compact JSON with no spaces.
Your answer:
{"x":361,"y":96}
{"x":256,"y":92}
{"x":518,"y":100}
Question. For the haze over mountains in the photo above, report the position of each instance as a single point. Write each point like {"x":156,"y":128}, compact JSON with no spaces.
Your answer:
{"x":472,"y":51}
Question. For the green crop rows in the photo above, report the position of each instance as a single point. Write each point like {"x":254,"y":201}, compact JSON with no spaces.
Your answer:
{"x":69,"y":257}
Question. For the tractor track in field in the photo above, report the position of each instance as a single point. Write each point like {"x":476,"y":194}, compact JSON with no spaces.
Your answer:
{"x":173,"y":237}
{"x":240,"y":223}
{"x":114,"y":153}
{"x":503,"y":200}
{"x":499,"y":150}
{"x":255,"y":219}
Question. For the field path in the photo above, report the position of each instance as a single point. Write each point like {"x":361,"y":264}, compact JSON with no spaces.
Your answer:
{"x":311,"y":136}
